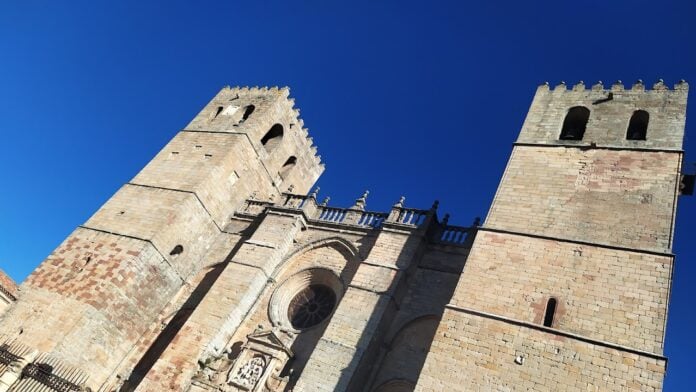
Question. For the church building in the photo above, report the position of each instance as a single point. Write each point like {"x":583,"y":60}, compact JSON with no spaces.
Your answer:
{"x":220,"y":267}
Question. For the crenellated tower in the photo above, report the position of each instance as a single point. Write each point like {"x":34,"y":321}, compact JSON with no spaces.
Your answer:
{"x":216,"y":269}
{"x":568,"y":280}
{"x":91,"y":303}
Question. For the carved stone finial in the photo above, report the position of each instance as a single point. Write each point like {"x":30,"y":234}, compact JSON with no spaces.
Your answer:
{"x":445,"y":219}
{"x":477,"y":221}
{"x":361,"y":202}
{"x":436,"y":204}
{"x":290,"y":188}
{"x":326,"y":201}
{"x":253,"y":195}
{"x":314,"y":193}
{"x":400,"y":203}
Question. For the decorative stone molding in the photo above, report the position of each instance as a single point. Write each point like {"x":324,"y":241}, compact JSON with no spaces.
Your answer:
{"x":256,"y":369}
{"x":283,"y":296}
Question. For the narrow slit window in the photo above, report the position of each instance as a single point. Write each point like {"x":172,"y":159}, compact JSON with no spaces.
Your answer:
{"x":287,"y":167}
{"x":575,"y":123}
{"x":272,"y":138}
{"x":550,"y":312}
{"x":638,"y":126}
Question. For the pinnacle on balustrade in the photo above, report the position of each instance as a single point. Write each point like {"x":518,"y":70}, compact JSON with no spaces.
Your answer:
{"x":290,"y":188}
{"x":314,"y":193}
{"x":445,"y":219}
{"x":361,"y":201}
{"x":253,"y":195}
{"x":326,"y":201}
{"x":436,"y":204}
{"x":400,"y":203}
{"x":477,"y":221}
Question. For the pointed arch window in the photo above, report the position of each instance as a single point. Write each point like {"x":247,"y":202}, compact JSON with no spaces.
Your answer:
{"x":575,"y":123}
{"x":638,"y":126}
{"x":271,"y":140}
{"x":550,"y":312}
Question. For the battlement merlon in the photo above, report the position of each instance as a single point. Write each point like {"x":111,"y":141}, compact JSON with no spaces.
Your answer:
{"x":610,"y":110}
{"x":254,"y":111}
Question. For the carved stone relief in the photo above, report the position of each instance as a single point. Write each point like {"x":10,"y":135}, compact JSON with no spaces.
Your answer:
{"x":257,"y":368}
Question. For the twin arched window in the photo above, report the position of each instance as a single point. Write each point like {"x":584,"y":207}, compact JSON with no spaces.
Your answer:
{"x":575,"y":123}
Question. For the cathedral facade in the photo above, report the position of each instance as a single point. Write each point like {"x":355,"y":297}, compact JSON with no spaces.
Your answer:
{"x":219,"y":267}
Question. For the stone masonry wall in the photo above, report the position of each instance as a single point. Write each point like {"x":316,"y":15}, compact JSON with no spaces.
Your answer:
{"x":154,"y":234}
{"x":95,"y":293}
{"x":474,"y":353}
{"x":604,"y":294}
{"x":609,"y":118}
{"x":622,"y":198}
{"x":164,"y":217}
{"x":272,"y":106}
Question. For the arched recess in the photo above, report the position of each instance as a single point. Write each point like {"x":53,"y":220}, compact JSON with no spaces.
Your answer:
{"x":271,"y":140}
{"x":406,"y":352}
{"x":638,"y":125}
{"x":575,"y":123}
{"x":396,"y":386}
{"x":312,"y":263}
{"x":341,"y":244}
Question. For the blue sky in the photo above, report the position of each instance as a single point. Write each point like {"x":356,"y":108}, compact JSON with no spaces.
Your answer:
{"x":422,"y":99}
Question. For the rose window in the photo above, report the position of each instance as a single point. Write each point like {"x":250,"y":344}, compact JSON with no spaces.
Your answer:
{"x":311,"y":306}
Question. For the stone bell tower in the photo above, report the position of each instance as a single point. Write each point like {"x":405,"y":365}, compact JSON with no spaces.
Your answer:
{"x":567,"y":283}
{"x":92,"y":302}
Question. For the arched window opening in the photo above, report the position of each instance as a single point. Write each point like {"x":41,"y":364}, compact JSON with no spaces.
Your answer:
{"x":177,"y":250}
{"x":272,"y":138}
{"x":550,"y":312}
{"x":287,"y":166}
{"x":638,"y":126}
{"x":247,"y":112}
{"x":575,"y":123}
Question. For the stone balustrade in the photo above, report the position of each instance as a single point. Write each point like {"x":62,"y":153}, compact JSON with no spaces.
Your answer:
{"x":400,"y":216}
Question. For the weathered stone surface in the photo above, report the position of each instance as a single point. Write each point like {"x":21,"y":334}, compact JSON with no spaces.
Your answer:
{"x":216,"y":269}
